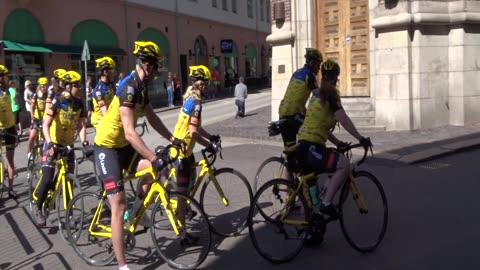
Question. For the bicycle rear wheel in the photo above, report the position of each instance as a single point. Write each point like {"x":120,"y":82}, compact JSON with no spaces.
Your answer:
{"x":178,"y":253}
{"x":274,"y":239}
{"x":271,"y":168}
{"x":94,"y":250}
{"x":363,"y":227}
{"x":73,"y":188}
{"x":231,"y":219}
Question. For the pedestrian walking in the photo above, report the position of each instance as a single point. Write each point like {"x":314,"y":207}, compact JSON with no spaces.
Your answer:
{"x":170,"y":86}
{"x":27,"y":97}
{"x":177,"y":95}
{"x":16,"y":108}
{"x":241,"y":93}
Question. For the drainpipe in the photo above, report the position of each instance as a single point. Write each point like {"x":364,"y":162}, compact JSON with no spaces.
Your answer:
{"x":126,"y":35}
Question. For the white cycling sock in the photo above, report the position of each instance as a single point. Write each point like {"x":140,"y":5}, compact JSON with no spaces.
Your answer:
{"x":125,"y":267}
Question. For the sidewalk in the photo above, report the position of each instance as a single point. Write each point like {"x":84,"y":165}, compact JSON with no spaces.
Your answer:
{"x":397,"y":147}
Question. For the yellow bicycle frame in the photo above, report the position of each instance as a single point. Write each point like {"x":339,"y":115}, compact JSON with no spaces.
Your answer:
{"x":157,"y":191}
{"x":67,"y":188}
{"x":205,"y":169}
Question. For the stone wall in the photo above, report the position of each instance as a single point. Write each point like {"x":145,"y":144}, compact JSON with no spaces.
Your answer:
{"x":426,"y":63}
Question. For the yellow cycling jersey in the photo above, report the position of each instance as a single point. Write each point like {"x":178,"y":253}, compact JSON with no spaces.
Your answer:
{"x":7,"y":119}
{"x":298,"y":91}
{"x":101,"y":96}
{"x":40,"y":100}
{"x":65,"y":113}
{"x":320,"y":118}
{"x":192,"y":108}
{"x":132,"y":94}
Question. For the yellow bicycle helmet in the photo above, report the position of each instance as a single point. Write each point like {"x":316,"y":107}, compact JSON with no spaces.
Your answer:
{"x":71,"y":77}
{"x":105,"y":63}
{"x":147,"y":49}
{"x":3,"y":69}
{"x":200,"y":72}
{"x":313,"y":54}
{"x":58,"y":73}
{"x":42,"y":81}
{"x":330,"y":68}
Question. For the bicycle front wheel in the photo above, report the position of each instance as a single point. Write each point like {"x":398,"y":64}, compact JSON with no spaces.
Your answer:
{"x":271,"y":168}
{"x":93,"y":249}
{"x":364,"y":209}
{"x":227,"y":217}
{"x":34,"y":175}
{"x":63,"y":198}
{"x":189,"y":249}
{"x":275,"y":239}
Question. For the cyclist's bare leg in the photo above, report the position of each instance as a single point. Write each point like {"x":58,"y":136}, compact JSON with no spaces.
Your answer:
{"x":182,"y":205}
{"x":117,"y":202}
{"x":11,"y":165}
{"x":338,"y":178}
{"x":31,"y":139}
{"x":146,"y":180}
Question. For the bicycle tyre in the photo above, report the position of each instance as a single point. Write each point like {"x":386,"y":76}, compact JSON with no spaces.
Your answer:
{"x":382,"y":210}
{"x":79,"y":216}
{"x":237,"y":208}
{"x":33,"y":176}
{"x":59,"y":204}
{"x":167,"y":242}
{"x":271,"y":168}
{"x":257,"y":223}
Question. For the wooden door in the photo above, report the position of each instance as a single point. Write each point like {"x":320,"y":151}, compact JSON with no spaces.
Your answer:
{"x":342,"y":34}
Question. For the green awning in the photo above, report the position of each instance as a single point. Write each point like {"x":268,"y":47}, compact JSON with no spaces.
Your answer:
{"x":58,"y":48}
{"x":20,"y":47}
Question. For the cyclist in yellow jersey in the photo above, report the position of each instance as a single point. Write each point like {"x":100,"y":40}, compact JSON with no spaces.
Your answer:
{"x":7,"y":123}
{"x":57,"y":86}
{"x":292,"y":106}
{"x":39,"y":103}
{"x":60,"y":123}
{"x":118,"y":146}
{"x":104,"y":91}
{"x":189,"y":128}
{"x":324,"y":109}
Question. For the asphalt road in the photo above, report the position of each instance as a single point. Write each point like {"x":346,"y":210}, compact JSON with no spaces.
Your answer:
{"x":433,"y":221}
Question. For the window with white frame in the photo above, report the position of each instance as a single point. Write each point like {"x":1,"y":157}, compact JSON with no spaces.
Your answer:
{"x":262,"y":8}
{"x":224,"y":5}
{"x":234,"y":6}
{"x":250,"y":8}
{"x":268,"y":11}
{"x":214,"y":3}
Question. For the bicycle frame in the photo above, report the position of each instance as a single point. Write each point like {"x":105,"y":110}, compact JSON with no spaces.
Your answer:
{"x":62,"y":165}
{"x":157,"y":191}
{"x":205,"y":168}
{"x":352,"y":185}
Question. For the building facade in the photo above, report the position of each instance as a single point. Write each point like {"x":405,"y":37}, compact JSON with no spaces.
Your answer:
{"x":416,"y":62}
{"x":229,"y":36}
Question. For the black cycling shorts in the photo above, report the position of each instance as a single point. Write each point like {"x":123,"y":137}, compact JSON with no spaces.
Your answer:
{"x":111,"y":162}
{"x":289,"y":129}
{"x":185,"y":171}
{"x":316,"y":158}
{"x":10,"y":138}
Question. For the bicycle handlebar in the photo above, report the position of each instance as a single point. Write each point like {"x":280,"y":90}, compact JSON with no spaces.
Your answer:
{"x":212,"y":157}
{"x":87,"y":153}
{"x":350,"y":147}
{"x":143,"y":126}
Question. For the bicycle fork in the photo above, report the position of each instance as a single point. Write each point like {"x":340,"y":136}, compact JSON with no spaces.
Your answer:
{"x":357,"y":196}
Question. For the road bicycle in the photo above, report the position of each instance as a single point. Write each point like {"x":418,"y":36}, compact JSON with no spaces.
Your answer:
{"x":3,"y":164}
{"x":225,"y":196}
{"x":89,"y":231}
{"x":60,"y":192}
{"x":279,"y":227}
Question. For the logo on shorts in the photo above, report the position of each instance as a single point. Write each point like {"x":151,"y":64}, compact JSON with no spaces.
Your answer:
{"x":101,"y":157}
